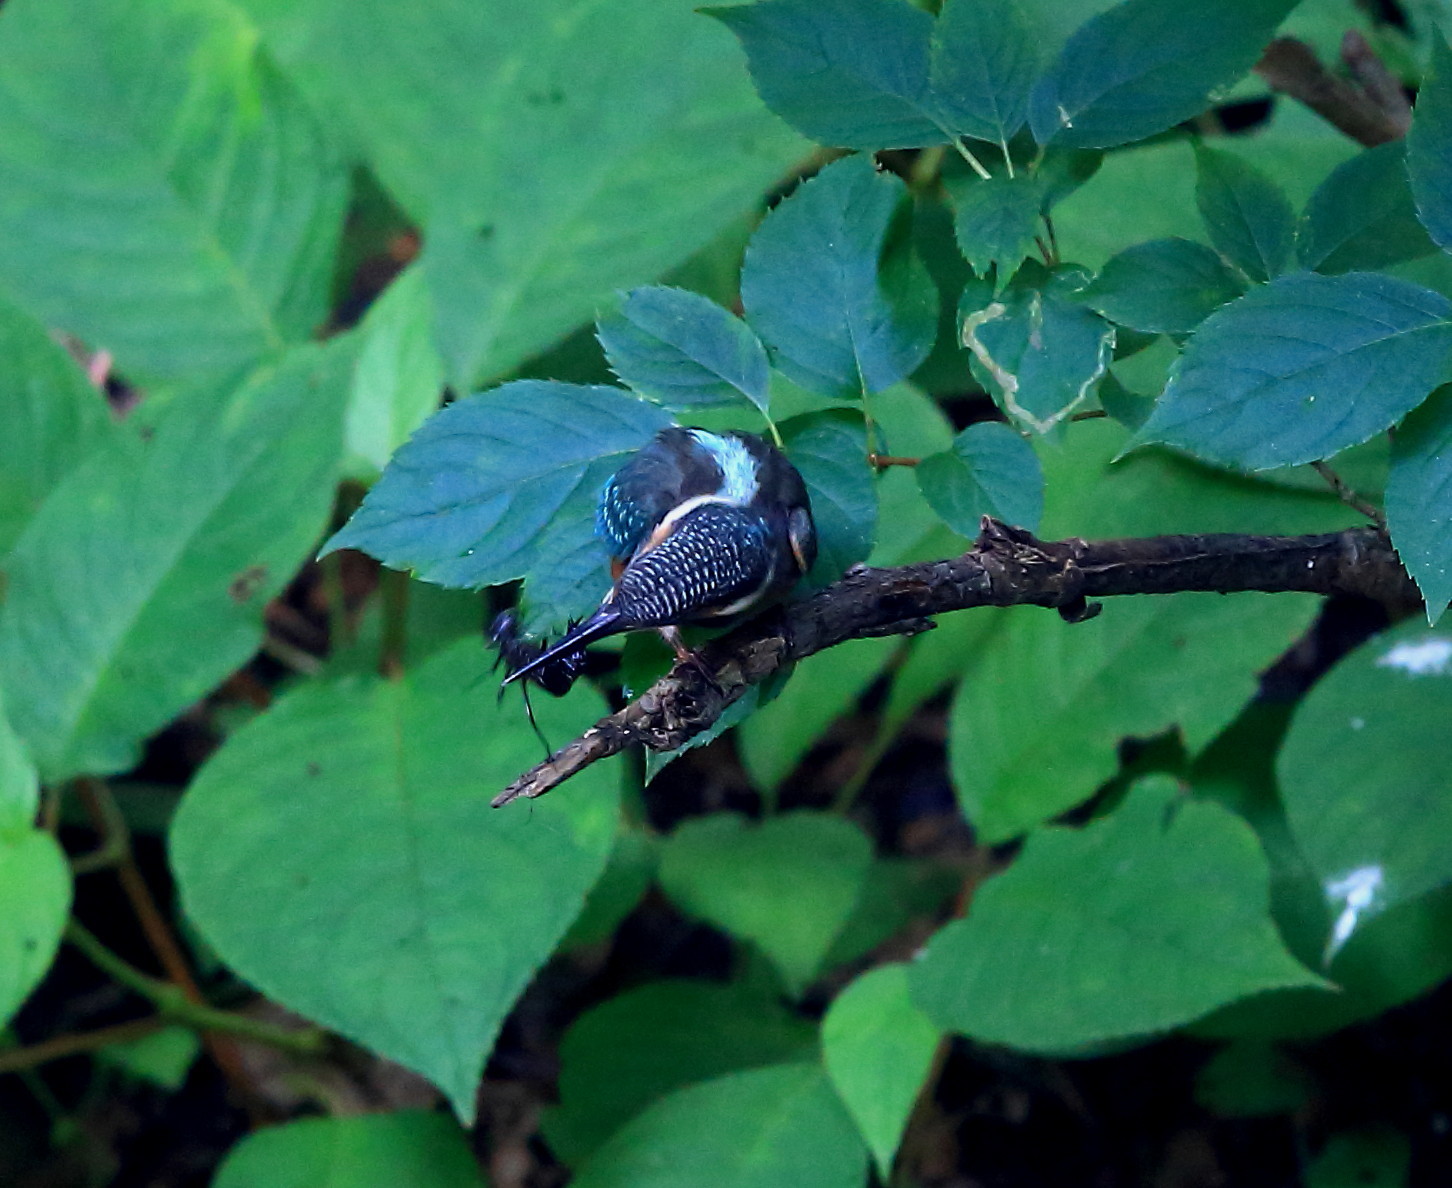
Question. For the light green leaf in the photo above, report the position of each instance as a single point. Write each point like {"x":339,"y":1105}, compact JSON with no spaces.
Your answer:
{"x":996,"y":220}
{"x":878,"y":1048}
{"x":1429,"y":146}
{"x":368,"y":1151}
{"x":404,"y":911}
{"x":35,"y":887}
{"x":1248,"y":216}
{"x":632,"y":1050}
{"x":1363,"y":774}
{"x":990,"y":471}
{"x":758,"y":1129}
{"x":833,"y":283}
{"x":551,"y":153}
{"x":179,"y":206}
{"x":1163,"y":286}
{"x":1135,"y":924}
{"x":398,"y":379}
{"x":787,"y":885}
{"x":53,"y":418}
{"x":1304,"y":367}
{"x":1419,"y":498}
{"x":1362,"y":216}
{"x":140,"y":583}
{"x":19,"y":782}
{"x":822,"y":688}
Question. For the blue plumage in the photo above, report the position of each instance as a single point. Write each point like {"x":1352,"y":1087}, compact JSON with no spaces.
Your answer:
{"x":701,"y":527}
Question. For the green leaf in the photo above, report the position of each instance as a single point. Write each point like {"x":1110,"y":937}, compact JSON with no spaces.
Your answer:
{"x":1146,"y":65}
{"x":830,"y":451}
{"x":787,"y":885}
{"x":774,"y":740}
{"x":162,"y":1058}
{"x":399,"y":378}
{"x":620,"y":888}
{"x":179,"y":205}
{"x":404,"y":912}
{"x":367,"y":1151}
{"x":1252,"y":1079}
{"x":1165,"y":286}
{"x":852,"y":74}
{"x":985,"y":58}
{"x":681,"y":349}
{"x":1247,"y":214}
{"x":1429,"y":146}
{"x":1374,"y":1157}
{"x":1035,"y":726}
{"x":990,"y":471}
{"x":53,"y":419}
{"x":1037,"y":351}
{"x":19,"y":782}
{"x":503,"y":485}
{"x":1419,"y":499}
{"x":1133,"y":925}
{"x":35,"y":887}
{"x":1362,"y":216}
{"x":199,"y":524}
{"x":832,"y":283}
{"x":768,"y":1126}
{"x":1303,"y":367}
{"x":878,"y":1048}
{"x":551,"y":154}
{"x":1363,"y":775}
{"x":634,"y":1049}
{"x":996,"y":220}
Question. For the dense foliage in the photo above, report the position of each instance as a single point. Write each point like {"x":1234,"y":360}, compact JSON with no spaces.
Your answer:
{"x":1065,"y":263}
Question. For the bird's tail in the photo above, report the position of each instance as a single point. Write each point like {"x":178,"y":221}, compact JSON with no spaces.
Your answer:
{"x":604,"y":621}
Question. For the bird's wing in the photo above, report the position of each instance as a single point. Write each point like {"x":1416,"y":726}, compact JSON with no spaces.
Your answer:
{"x":660,"y":477}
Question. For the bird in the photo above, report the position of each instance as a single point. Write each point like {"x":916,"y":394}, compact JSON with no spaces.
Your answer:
{"x":701,"y":528}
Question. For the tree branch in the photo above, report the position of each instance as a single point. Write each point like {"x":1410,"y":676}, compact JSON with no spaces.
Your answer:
{"x":1007,"y":567}
{"x":1374,"y":112}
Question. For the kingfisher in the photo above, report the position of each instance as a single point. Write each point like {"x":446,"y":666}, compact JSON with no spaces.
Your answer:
{"x":701,"y":528}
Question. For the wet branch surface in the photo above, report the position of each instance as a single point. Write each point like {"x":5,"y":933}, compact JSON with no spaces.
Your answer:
{"x":1006,"y":567}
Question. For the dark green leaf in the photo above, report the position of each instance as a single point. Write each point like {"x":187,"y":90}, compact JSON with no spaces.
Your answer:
{"x":1376,"y":1157}
{"x":1134,"y":924}
{"x":1252,"y":1079}
{"x":787,"y":885}
{"x":681,"y":349}
{"x":997,"y":220}
{"x":1363,"y":775}
{"x":990,"y":471}
{"x":367,"y":1151}
{"x":853,"y":73}
{"x":504,"y":484}
{"x":1419,"y":499}
{"x":1429,"y":146}
{"x":1037,"y":350}
{"x":1362,"y":216}
{"x":832,"y":283}
{"x":623,"y":1055}
{"x":822,"y":688}
{"x":878,"y":1047}
{"x":1303,"y":367}
{"x":1248,"y":216}
{"x":768,"y":1126}
{"x":358,"y":811}
{"x":1165,"y":286}
{"x":621,"y":886}
{"x":986,"y":55}
{"x":830,"y":450}
{"x":200,"y":523}
{"x":179,"y":206}
{"x":1145,"y":65}
{"x":552,"y":155}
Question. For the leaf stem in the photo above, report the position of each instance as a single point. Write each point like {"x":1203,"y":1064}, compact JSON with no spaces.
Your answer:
{"x":1348,"y":496}
{"x":973,"y":162}
{"x":172,"y":1002}
{"x":883,"y":461}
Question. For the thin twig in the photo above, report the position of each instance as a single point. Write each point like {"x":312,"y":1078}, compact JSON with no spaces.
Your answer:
{"x":172,"y":1002}
{"x":1348,"y":496}
{"x":1291,"y":66}
{"x":883,"y":461}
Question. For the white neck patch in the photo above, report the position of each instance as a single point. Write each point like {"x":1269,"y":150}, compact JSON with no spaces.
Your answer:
{"x":738,"y":467}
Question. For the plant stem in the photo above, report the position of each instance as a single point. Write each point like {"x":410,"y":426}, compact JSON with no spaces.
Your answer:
{"x":973,"y":162}
{"x":1348,"y":496}
{"x":173,"y":1003}
{"x":77,"y":1043}
{"x":394,"y":588}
